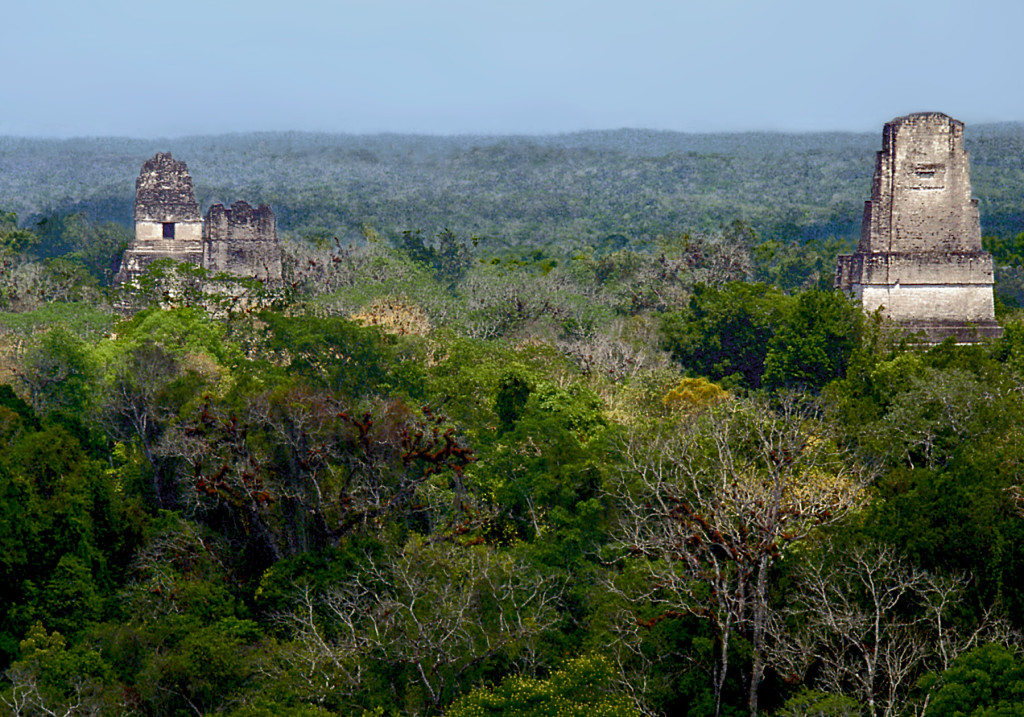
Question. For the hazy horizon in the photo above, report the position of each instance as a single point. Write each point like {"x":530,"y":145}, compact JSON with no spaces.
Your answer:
{"x":443,"y":135}
{"x":464,"y":135}
{"x":117,"y":68}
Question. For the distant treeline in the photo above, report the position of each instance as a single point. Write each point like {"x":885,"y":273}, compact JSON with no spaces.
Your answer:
{"x":578,"y":190}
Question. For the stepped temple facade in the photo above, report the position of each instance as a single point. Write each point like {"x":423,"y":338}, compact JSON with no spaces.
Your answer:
{"x":920,"y":259}
{"x":240,"y":240}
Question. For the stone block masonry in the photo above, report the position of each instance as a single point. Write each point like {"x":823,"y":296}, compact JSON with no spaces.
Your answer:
{"x":167,"y":221}
{"x":920,"y":259}
{"x":240,"y":240}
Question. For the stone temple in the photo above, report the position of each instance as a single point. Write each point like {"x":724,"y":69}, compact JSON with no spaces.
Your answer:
{"x":920,"y":259}
{"x":239,"y":240}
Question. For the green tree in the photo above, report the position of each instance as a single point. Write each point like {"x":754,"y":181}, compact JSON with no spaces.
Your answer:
{"x":582,"y":688}
{"x":333,"y":353}
{"x":58,"y":374}
{"x":449,"y":258}
{"x":147,"y":388}
{"x":510,"y":401}
{"x":50,"y":678}
{"x":160,"y":364}
{"x":199,"y":669}
{"x":71,"y":599}
{"x":814,"y":344}
{"x":14,"y":240}
{"x":724,"y":334}
{"x":988,"y":681}
{"x":95,"y":247}
{"x":808,"y":703}
{"x":798,"y":266}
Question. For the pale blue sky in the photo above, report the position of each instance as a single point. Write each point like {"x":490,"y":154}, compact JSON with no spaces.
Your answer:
{"x":157,"y":69}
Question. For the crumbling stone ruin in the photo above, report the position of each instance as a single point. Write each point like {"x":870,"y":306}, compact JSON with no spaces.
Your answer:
{"x":167,"y":221}
{"x":920,"y":258}
{"x":241,"y":240}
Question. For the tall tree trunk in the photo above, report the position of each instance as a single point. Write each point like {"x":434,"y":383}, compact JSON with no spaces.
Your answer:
{"x":759,"y":630}
{"x":722,"y":669}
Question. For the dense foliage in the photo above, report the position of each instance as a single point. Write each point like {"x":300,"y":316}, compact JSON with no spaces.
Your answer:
{"x":425,"y":476}
{"x":602,"y":190}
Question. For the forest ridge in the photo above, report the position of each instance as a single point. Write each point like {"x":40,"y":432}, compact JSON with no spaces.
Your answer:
{"x":571,"y":191}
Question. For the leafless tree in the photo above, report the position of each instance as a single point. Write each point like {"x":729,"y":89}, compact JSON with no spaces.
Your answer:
{"x":616,"y":352}
{"x":437,"y":608}
{"x":936,"y":413}
{"x":135,"y":408}
{"x":182,"y":548}
{"x":511,"y":303}
{"x":24,"y":698}
{"x":708,"y":510}
{"x":320,"y":663}
{"x":325,"y":269}
{"x":870,"y":625}
{"x":27,"y":284}
{"x":636,"y":282}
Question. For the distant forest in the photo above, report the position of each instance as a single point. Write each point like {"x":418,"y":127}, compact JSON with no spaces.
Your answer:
{"x":565,"y":425}
{"x":588,"y":190}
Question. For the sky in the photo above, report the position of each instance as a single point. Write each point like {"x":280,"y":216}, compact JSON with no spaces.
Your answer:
{"x":149,"y":69}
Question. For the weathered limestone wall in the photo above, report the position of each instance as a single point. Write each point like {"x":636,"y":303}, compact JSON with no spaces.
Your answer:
{"x":163,"y":197}
{"x":946,"y":268}
{"x":163,"y":191}
{"x":921,"y":197}
{"x":150,"y":244}
{"x":920,"y":258}
{"x":242,"y":240}
{"x":934,"y":304}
